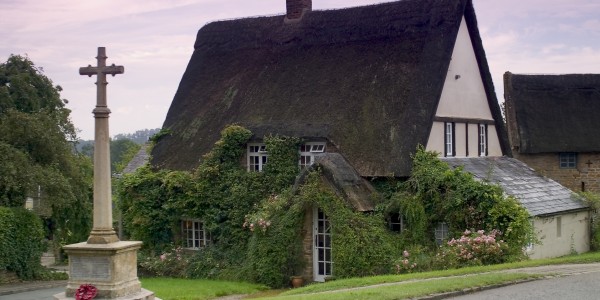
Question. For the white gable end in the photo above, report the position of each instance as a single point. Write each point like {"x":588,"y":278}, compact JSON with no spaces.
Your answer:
{"x":464,"y":104}
{"x":463,"y":95}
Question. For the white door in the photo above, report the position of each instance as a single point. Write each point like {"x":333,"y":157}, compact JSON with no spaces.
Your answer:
{"x":322,"y":263}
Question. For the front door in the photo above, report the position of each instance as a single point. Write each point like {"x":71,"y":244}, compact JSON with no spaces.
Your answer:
{"x":322,"y":245}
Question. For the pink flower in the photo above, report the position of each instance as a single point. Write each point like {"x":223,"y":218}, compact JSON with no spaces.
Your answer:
{"x":163,"y":257}
{"x":405,"y":253}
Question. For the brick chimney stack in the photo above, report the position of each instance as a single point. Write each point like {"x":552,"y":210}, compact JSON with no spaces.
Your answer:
{"x":297,"y":8}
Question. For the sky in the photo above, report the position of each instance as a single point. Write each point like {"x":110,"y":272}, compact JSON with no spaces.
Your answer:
{"x":153,"y":40}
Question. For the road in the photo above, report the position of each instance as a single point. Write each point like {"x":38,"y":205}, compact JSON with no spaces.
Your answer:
{"x":43,"y":294}
{"x":579,"y":286}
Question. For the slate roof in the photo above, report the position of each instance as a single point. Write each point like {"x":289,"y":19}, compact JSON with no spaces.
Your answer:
{"x":344,"y":180}
{"x":366,"y":78}
{"x":138,"y":160}
{"x":539,"y":195}
{"x":553,"y":113}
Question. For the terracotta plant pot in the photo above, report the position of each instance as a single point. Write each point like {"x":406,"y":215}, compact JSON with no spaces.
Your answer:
{"x":297,"y":281}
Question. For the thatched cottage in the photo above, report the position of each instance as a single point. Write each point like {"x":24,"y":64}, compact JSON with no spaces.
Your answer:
{"x":363,"y":85}
{"x":553,"y":126}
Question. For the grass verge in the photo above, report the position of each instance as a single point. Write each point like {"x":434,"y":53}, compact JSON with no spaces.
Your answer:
{"x":196,"y":289}
{"x":411,"y":289}
{"x":365,"y":281}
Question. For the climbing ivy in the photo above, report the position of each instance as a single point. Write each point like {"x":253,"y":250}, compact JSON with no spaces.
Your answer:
{"x":256,"y":219}
{"x":437,"y":193}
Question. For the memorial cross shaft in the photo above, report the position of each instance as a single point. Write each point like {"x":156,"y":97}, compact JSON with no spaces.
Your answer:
{"x":102,"y":232}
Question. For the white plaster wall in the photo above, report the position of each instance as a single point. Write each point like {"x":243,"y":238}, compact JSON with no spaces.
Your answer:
{"x":575,"y":234}
{"x":493,"y":142}
{"x":460,"y":130}
{"x":474,"y":139}
{"x":436,"y":138}
{"x":465,"y":96}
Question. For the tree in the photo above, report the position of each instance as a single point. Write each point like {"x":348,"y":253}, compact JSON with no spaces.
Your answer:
{"x":37,"y":149}
{"x":121,"y":152}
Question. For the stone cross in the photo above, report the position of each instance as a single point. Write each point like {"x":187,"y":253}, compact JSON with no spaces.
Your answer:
{"x":102,"y":232}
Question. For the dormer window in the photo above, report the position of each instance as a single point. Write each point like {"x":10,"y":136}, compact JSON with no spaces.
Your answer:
{"x":483,"y":140}
{"x":257,"y":157}
{"x":308,"y":152}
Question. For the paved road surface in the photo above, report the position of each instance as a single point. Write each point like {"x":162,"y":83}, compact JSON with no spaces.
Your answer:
{"x":580,"y":286}
{"x":43,"y":294}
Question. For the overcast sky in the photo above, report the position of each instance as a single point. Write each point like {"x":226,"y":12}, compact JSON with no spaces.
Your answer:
{"x":153,"y":40}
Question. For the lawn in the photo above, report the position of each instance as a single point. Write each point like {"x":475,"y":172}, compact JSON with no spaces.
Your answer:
{"x":197,"y":289}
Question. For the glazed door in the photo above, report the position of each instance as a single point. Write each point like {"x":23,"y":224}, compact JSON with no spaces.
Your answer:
{"x":322,"y":264}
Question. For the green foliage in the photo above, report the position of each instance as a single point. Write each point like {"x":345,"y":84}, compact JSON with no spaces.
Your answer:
{"x":256,"y":219}
{"x":593,"y":200}
{"x":436,"y":193}
{"x":121,"y":152}
{"x":37,"y":135}
{"x":471,"y":249}
{"x":362,"y":244}
{"x":275,"y":249}
{"x":21,"y":242}
{"x":148,"y":207}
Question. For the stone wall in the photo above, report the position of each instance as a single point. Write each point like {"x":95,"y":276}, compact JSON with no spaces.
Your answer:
{"x":586,"y":176}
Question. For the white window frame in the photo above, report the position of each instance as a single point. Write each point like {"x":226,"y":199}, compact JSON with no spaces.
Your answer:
{"x":257,"y":157}
{"x":449,"y":139}
{"x":441,"y":232}
{"x":483,"y":140}
{"x":308,"y":151}
{"x":194,"y":235}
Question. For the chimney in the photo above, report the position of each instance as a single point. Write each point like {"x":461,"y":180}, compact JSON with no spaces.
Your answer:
{"x":296,"y":9}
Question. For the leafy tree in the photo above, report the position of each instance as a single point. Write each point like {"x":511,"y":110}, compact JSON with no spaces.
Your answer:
{"x":121,"y":152}
{"x":36,"y":146}
{"x":139,"y":137}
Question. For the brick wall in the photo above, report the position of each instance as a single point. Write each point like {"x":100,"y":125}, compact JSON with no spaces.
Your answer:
{"x":586,"y":174}
{"x":307,"y":245}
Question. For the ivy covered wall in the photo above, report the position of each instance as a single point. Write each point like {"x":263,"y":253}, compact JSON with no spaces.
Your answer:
{"x":257,"y":220}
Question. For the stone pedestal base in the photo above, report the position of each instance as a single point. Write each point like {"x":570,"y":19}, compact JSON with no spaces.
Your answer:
{"x":111,"y":268}
{"x":142,"y":295}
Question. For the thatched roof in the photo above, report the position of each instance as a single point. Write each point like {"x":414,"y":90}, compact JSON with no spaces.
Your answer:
{"x":343,"y":179}
{"x":553,"y":113}
{"x":366,"y":78}
{"x":540,"y":195}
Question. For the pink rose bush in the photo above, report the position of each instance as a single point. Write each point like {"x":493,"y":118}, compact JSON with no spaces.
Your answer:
{"x":406,"y":264}
{"x":472,"y":248}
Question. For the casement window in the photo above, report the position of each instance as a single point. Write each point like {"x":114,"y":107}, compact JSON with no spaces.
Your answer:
{"x":441,"y":232}
{"x":483,"y":140}
{"x":396,"y":222}
{"x":308,"y":152}
{"x":568,"y":160}
{"x":194,"y":234}
{"x":257,"y":157}
{"x":449,"y":139}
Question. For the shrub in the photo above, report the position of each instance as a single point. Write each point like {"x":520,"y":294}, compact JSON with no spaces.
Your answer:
{"x":472,"y":248}
{"x":21,"y":242}
{"x":170,"y":263}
